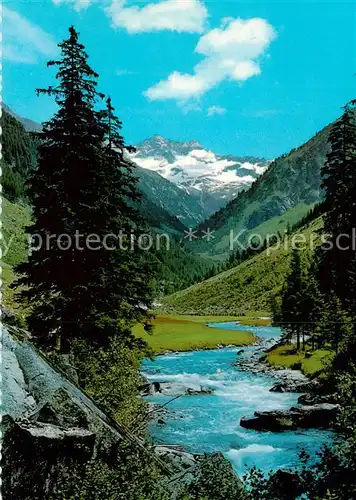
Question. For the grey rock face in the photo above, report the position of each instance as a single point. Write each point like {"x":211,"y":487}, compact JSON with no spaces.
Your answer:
{"x":298,"y":417}
{"x":179,"y":457}
{"x":63,"y":411}
{"x":47,"y":420}
{"x":50,"y":423}
{"x":33,"y":451}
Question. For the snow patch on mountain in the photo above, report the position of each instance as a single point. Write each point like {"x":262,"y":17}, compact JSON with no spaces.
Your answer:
{"x":192,"y":167}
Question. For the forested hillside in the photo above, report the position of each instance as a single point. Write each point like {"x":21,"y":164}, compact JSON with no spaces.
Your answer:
{"x":292,"y":180}
{"x":19,"y":157}
{"x":248,"y":287}
{"x":28,"y":124}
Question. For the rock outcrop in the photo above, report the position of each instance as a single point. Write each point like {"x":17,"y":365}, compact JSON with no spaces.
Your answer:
{"x":313,"y":399}
{"x":181,"y":458}
{"x":47,"y":422}
{"x":320,"y":416}
{"x":296,"y":385}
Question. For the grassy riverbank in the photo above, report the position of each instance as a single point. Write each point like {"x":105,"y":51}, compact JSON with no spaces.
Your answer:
{"x":185,"y":333}
{"x":310,"y":363}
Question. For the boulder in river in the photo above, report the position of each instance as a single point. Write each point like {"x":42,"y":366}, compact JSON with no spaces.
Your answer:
{"x":320,"y":416}
{"x":296,"y":385}
{"x":174,"y":389}
{"x":149,"y":389}
{"x":201,"y":390}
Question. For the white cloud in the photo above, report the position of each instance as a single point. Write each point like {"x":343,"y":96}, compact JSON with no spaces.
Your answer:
{"x":173,"y":15}
{"x":237,"y":37}
{"x":78,"y":4}
{"x":215,"y":110}
{"x":244,"y":70}
{"x":24,"y":42}
{"x":177,"y":86}
{"x":232,"y":52}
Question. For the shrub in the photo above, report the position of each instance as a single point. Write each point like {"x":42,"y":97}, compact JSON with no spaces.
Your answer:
{"x":112,"y":377}
{"x":216,"y":480}
{"x":132,"y":476}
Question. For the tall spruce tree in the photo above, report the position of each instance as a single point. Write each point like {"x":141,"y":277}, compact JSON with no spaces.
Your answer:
{"x":339,"y":183}
{"x":83,"y":191}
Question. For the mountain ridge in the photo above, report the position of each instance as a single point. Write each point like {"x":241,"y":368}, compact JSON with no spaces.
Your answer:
{"x":292,"y":179}
{"x":214,"y":179}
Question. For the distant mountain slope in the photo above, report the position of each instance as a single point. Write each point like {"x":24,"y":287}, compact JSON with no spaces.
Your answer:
{"x":165,"y":195}
{"x":169,"y":197}
{"x":214,"y":179}
{"x":291,"y":180}
{"x":29,"y":125}
{"x":159,"y":219}
{"x":246,"y":287}
{"x":19,"y":159}
{"x":19,"y":156}
{"x":178,"y":267}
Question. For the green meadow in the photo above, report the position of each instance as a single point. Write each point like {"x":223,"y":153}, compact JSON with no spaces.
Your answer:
{"x":185,"y":333}
{"x":310,"y":363}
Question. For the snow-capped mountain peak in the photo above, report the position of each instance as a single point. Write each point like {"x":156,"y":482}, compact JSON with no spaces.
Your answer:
{"x":193,"y":167}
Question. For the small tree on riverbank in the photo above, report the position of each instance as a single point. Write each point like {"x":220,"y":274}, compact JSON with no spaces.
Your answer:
{"x":292,"y":307}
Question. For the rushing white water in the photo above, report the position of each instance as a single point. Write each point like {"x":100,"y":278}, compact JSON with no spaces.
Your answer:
{"x":206,"y":423}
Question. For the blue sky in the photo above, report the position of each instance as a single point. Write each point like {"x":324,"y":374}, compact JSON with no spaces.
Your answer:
{"x":246,"y":78}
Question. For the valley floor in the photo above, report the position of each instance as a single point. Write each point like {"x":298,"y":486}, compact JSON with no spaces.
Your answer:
{"x":185,"y":333}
